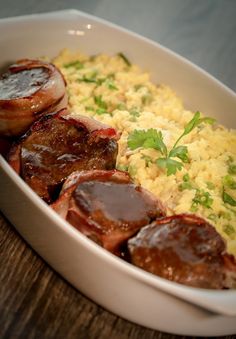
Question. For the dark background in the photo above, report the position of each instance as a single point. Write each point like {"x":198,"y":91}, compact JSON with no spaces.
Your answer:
{"x":204,"y":31}
{"x":34,"y":301}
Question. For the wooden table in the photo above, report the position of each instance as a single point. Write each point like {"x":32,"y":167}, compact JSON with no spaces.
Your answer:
{"x":35,"y":302}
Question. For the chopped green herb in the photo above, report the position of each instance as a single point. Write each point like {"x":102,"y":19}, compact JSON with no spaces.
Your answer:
{"x":210,"y":185}
{"x":89,"y":108}
{"x":84,"y":100}
{"x":185,"y":186}
{"x":228,"y":181}
{"x":92,"y":78}
{"x":147,"y":98}
{"x":228,"y":199}
{"x":138,"y":86}
{"x":171,"y":165}
{"x":76,"y":64}
{"x":89,"y":80}
{"x":225,"y":215}
{"x":229,"y":230}
{"x":152,"y":139}
{"x":212,"y":217}
{"x":186,"y":177}
{"x":125,"y":59}
{"x":132,"y":170}
{"x":231,"y":210}
{"x":232,"y":169}
{"x":147,"y":139}
{"x":202,"y":198}
{"x":111,"y":76}
{"x":194,"y":122}
{"x":98,"y":100}
{"x":101,"y":111}
{"x":121,"y":107}
{"x":147,"y":159}
{"x":180,"y":152}
{"x":122,"y":168}
{"x":110,"y":85}
{"x":134,"y":113}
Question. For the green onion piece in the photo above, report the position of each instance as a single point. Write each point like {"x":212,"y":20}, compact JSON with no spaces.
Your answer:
{"x":210,"y":185}
{"x":125,"y":59}
{"x":228,"y":199}
{"x":229,"y":181}
{"x":132,"y":170}
{"x":76,"y":64}
{"x":186,"y":177}
{"x":229,"y":230}
{"x":101,"y":111}
{"x":147,"y":159}
{"x":89,"y":108}
{"x":122,"y":168}
{"x":232,"y":169}
{"x":202,"y":198}
{"x":99,"y":101}
{"x":185,"y":186}
{"x":212,"y":217}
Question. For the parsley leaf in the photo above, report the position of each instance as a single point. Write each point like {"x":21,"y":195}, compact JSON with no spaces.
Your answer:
{"x":180,"y":152}
{"x":150,"y":138}
{"x":194,"y":122}
{"x":171,"y":165}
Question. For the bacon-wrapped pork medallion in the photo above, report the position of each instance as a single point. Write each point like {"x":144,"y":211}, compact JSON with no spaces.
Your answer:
{"x":28,"y":89}
{"x":185,"y":249}
{"x":57,"y":145}
{"x":106,"y":206}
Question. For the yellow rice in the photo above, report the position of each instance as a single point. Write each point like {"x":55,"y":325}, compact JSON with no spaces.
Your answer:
{"x":132,"y":102}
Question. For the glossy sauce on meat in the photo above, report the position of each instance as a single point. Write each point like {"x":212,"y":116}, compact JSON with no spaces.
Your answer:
{"x":22,"y":84}
{"x":181,"y":248}
{"x":113,"y":204}
{"x":28,"y":90}
{"x":56,"y":146}
{"x":106,"y":206}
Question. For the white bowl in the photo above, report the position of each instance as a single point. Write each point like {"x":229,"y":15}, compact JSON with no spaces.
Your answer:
{"x":116,"y":285}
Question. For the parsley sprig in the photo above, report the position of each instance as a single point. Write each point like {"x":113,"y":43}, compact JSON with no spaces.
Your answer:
{"x":152,"y":138}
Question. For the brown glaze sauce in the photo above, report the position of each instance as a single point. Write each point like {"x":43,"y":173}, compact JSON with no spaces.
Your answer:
{"x":113,"y":204}
{"x":183,"y":249}
{"x":57,"y":149}
{"x":23,"y":83}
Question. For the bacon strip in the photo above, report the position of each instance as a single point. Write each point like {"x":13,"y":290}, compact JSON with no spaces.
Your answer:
{"x":186,"y":249}
{"x":55,"y":146}
{"x":106,"y":206}
{"x":29,"y":89}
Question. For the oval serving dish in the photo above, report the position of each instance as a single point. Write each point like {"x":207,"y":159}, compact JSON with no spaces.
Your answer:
{"x":116,"y":285}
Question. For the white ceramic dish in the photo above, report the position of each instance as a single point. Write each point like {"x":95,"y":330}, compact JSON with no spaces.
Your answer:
{"x":121,"y":288}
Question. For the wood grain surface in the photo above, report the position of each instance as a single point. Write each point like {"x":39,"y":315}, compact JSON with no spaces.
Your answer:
{"x":35,"y":302}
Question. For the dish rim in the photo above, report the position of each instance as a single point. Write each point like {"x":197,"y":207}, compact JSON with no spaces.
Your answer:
{"x":164,"y":285}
